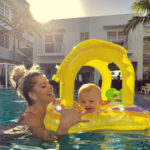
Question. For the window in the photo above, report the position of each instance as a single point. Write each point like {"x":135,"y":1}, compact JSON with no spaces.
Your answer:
{"x":49,"y":48}
{"x":115,"y":36}
{"x":1,"y":8}
{"x":118,"y":37}
{"x":4,"y":10}
{"x":4,"y":40}
{"x":54,"y":38}
{"x":121,"y":35}
{"x":49,"y":38}
{"x":111,"y":36}
{"x":58,"y":47}
{"x":53,"y":48}
{"x":58,"y":37}
{"x":53,"y":43}
{"x":84,"y":36}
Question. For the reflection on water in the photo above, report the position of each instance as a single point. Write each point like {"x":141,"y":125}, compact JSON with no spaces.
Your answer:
{"x":99,"y":140}
{"x":11,"y":107}
{"x":106,"y":140}
{"x":14,"y":132}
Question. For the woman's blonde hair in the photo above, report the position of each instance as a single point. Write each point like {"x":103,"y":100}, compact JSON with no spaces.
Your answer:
{"x":22,"y":79}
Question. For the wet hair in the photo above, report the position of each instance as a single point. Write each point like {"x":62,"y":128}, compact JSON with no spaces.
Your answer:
{"x":86,"y":88}
{"x":24,"y":80}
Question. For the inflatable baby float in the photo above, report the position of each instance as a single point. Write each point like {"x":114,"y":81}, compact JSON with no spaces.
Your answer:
{"x":99,"y":54}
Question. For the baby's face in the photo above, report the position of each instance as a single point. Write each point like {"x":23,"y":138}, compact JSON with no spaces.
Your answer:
{"x":90,"y":101}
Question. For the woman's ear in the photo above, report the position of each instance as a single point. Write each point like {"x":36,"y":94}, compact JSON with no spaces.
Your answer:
{"x":32,"y":95}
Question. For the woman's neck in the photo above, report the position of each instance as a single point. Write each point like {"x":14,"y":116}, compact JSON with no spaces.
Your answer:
{"x":38,"y":109}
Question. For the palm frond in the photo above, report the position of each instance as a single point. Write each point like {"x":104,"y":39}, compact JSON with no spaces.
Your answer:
{"x":131,"y":25}
{"x":141,"y":6}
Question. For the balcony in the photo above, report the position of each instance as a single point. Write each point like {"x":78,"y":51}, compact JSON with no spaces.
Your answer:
{"x":22,"y":58}
{"x":6,"y":55}
{"x":27,"y":37}
{"x":4,"y":26}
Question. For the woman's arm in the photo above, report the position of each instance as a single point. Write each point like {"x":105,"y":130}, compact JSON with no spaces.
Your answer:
{"x":69,"y":117}
{"x":37,"y":128}
{"x":43,"y":134}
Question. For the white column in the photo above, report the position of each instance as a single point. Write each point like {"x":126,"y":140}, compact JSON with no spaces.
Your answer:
{"x":96,"y":77}
{"x":6,"y":75}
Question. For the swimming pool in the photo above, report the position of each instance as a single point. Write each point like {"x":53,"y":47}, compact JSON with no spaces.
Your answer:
{"x":11,"y":107}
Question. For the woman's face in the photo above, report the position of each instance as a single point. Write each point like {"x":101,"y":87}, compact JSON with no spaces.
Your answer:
{"x":42,"y":90}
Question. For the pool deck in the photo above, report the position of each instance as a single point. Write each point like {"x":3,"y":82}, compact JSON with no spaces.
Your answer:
{"x":147,"y":97}
{"x":142,"y":100}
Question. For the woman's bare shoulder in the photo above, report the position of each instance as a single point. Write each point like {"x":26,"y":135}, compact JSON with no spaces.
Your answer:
{"x":30,"y":119}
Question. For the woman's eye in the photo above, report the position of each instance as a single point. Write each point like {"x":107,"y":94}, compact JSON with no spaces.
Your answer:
{"x":44,"y":86}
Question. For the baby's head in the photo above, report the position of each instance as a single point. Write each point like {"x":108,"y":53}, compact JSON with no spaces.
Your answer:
{"x":89,"y":96}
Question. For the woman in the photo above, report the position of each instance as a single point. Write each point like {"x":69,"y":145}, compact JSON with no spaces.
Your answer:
{"x":34,"y":87}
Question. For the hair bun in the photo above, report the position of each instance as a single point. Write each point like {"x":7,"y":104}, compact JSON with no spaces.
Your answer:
{"x":17,"y":73}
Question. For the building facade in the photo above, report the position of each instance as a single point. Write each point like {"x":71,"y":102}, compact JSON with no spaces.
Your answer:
{"x":22,"y":44}
{"x":62,"y":35}
{"x":146,"y":52}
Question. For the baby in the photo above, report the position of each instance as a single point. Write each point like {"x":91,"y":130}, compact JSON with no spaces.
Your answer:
{"x":89,"y":96}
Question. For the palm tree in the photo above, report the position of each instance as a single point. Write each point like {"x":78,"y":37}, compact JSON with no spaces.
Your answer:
{"x":141,"y":7}
{"x":21,"y":21}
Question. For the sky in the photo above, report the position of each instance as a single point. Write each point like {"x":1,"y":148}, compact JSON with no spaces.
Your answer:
{"x":46,"y":10}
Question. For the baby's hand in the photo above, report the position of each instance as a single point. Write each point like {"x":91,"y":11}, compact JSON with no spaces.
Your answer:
{"x":71,"y":116}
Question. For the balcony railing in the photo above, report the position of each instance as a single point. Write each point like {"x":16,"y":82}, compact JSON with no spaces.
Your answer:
{"x":27,"y":37}
{"x":19,"y":56}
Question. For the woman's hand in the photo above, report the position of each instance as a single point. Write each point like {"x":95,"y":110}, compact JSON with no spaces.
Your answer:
{"x":69,"y":118}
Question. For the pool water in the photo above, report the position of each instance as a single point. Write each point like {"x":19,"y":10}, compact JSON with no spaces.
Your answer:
{"x":11,"y":107}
